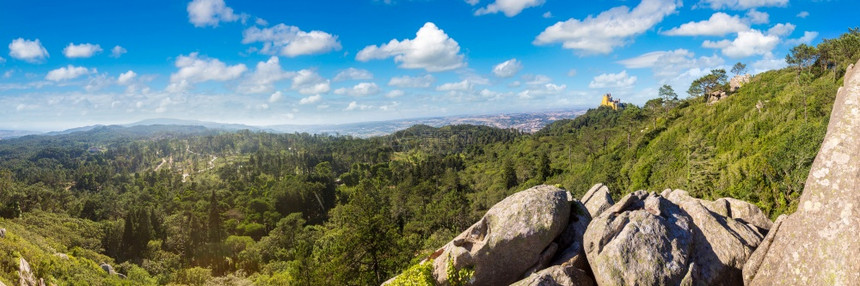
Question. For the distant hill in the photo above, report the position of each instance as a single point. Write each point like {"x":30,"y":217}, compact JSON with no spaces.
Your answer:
{"x":98,"y":134}
{"x":182,"y":122}
{"x":8,"y":134}
{"x":529,"y":122}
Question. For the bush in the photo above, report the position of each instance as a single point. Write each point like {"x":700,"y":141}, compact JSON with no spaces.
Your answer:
{"x":418,"y":275}
{"x":196,"y":276}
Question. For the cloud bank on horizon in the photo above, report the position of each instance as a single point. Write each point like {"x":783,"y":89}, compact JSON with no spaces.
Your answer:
{"x":346,"y":61}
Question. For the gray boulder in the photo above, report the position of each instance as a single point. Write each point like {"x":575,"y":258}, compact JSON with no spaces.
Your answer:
{"x":741,"y":211}
{"x":722,"y":244}
{"x":559,"y":275}
{"x":570,"y":240}
{"x":672,"y":239}
{"x":2,"y":233}
{"x":642,"y":240}
{"x":515,"y":235}
{"x":819,"y":243}
{"x":25,"y":274}
{"x":597,"y":199}
{"x":569,"y":266}
{"x":107,"y":268}
{"x":738,"y":81}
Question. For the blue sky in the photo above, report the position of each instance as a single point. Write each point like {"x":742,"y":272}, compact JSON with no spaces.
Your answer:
{"x":75,"y":63}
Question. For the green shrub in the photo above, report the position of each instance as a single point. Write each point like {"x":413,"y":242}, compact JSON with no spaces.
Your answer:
{"x":418,"y":275}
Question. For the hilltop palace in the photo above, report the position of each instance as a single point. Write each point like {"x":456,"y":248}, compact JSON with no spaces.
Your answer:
{"x":608,"y":101}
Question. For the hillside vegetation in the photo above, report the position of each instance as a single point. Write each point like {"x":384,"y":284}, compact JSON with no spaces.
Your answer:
{"x":187,"y":206}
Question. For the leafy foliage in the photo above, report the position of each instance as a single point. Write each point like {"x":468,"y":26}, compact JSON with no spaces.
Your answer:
{"x":703,"y":86}
{"x":739,"y":68}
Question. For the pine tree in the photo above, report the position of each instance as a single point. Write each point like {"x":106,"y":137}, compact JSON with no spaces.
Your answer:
{"x":544,"y":168}
{"x":127,"y":237}
{"x":509,"y":175}
{"x":214,"y":227}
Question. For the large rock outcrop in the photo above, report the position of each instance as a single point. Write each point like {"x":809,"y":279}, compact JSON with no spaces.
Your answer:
{"x":597,"y":199}
{"x":516,"y":235}
{"x":641,"y":240}
{"x":738,"y":81}
{"x":565,"y":274}
{"x":673,"y":239}
{"x":569,"y":266}
{"x":819,"y":243}
{"x":26,"y":274}
{"x":722,"y":243}
{"x":743,"y":212}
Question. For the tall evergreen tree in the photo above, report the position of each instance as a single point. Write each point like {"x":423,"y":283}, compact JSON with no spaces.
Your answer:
{"x":509,"y":175}
{"x":215,"y":232}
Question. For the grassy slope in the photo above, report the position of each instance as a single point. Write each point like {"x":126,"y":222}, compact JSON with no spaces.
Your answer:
{"x":41,"y":238}
{"x":725,"y":149}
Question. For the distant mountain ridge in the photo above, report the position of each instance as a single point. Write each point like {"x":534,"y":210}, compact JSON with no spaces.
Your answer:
{"x":183,"y":122}
{"x":6,"y":134}
{"x":528,"y":122}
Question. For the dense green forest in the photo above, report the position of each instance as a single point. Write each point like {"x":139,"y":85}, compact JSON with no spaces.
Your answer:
{"x":191,"y":206}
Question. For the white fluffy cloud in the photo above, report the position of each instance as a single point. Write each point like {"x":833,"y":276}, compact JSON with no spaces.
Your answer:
{"x":310,"y":99}
{"x":757,"y":17}
{"x":355,"y":106}
{"x":81,"y":51}
{"x":751,"y":42}
{"x":395,"y":93}
{"x":781,"y":30}
{"x":463,"y":85}
{"x":507,"y":68}
{"x":431,"y":50}
{"x":126,"y":78}
{"x":361,"y":89}
{"x":541,"y":90}
{"x":290,"y":41}
{"x":613,"y":80}
{"x":353,"y":74}
{"x":509,"y":7}
{"x":275,"y":97}
{"x":803,"y":14}
{"x":308,"y":82}
{"x":612,"y":28}
{"x":264,"y":77}
{"x":537,"y":79}
{"x":719,"y":24}
{"x":647,"y":60}
{"x":413,"y":82}
{"x":194,"y":69}
{"x":117,"y":51}
{"x":768,"y":62}
{"x":741,"y":4}
{"x":805,"y":39}
{"x":677,"y":66}
{"x":391,"y":106}
{"x":204,"y":13}
{"x":98,"y":82}
{"x":68,"y":72}
{"x":28,"y":50}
